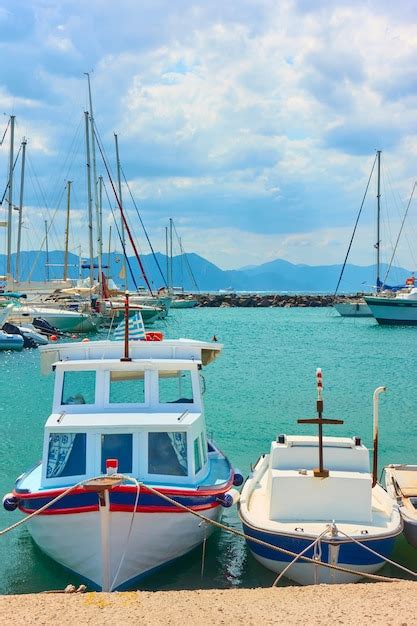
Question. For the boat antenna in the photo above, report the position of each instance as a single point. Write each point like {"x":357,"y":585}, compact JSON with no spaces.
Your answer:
{"x":320,"y":472}
{"x":377,"y":393}
{"x":126,"y":357}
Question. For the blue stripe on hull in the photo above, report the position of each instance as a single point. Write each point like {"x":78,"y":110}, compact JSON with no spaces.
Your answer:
{"x":391,"y":322}
{"x":116,"y":498}
{"x":349,"y":554}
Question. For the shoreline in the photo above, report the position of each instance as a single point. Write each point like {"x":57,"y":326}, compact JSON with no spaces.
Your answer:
{"x":258,"y":300}
{"x":367,"y":603}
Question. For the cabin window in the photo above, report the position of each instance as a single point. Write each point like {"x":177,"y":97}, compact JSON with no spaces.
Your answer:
{"x":197,"y":456}
{"x":167,"y":453}
{"x":66,"y":455}
{"x":117,"y":446}
{"x":175,"y":387}
{"x":79,"y":387}
{"x":127,"y":387}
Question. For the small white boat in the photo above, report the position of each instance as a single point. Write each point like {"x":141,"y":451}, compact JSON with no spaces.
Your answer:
{"x":64,"y":320}
{"x":142,"y":416}
{"x":357,"y":308}
{"x":401,"y":484}
{"x":315,"y":497}
{"x":183,"y":303}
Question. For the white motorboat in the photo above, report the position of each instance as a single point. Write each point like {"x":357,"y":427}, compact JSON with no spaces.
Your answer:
{"x":401,"y":484}
{"x":140,"y":415}
{"x":315,"y":497}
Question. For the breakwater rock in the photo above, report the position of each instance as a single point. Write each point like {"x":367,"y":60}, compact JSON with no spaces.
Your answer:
{"x":270,"y":300}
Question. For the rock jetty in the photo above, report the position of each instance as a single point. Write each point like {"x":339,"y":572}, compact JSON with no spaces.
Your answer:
{"x":271,"y":300}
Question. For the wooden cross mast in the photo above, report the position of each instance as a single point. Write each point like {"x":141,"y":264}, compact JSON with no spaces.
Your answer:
{"x":320,"y":472}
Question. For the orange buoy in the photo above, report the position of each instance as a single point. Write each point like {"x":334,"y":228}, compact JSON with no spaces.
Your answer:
{"x":53,"y":338}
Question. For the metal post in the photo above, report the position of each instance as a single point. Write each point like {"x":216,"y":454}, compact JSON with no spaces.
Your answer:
{"x":126,"y":355}
{"x":377,"y":393}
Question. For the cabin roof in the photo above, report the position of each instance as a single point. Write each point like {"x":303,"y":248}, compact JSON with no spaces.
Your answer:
{"x":134,"y":364}
{"x":182,"y":349}
{"x":120,"y":420}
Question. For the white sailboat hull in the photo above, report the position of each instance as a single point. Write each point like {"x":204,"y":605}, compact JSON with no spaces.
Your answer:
{"x":353,"y":309}
{"x":394,"y":311}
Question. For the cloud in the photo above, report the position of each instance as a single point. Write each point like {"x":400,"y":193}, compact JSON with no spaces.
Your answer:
{"x":255,"y":119}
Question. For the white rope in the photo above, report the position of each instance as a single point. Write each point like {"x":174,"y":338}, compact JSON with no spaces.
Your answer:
{"x":311,"y":545}
{"x":384,"y":558}
{"x":223,"y":527}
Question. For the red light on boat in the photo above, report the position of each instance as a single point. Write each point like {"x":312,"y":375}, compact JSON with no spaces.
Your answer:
{"x":112,"y":465}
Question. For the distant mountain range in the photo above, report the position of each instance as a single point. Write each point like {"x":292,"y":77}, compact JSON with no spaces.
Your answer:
{"x":193,"y":272}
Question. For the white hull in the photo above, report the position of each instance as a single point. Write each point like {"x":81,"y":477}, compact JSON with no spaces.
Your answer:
{"x":353,"y":309}
{"x":308,"y":574}
{"x":394,"y":310}
{"x":81,"y":543}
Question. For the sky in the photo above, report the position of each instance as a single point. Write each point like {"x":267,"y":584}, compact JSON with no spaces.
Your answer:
{"x":253,"y":124}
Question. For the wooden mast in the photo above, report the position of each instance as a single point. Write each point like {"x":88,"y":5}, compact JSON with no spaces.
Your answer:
{"x":320,"y":471}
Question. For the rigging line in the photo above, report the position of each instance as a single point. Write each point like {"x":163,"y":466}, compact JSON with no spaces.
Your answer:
{"x":4,"y":134}
{"x":401,"y":229}
{"x":355,"y":227}
{"x":186,"y":258}
{"x":120,"y":238}
{"x":145,"y":278}
{"x":8,"y":182}
{"x":144,"y":229}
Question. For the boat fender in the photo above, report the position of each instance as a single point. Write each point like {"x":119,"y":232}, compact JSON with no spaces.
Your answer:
{"x":238,"y":478}
{"x":226,"y":500}
{"x":229,"y":498}
{"x":10,"y":502}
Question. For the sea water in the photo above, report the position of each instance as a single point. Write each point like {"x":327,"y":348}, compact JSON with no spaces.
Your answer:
{"x":263,"y":381}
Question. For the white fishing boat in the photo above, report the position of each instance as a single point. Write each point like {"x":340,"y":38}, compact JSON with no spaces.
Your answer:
{"x":140,"y":415}
{"x":315,"y":498}
{"x":401,"y":484}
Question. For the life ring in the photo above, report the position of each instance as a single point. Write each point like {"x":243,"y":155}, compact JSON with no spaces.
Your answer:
{"x":154,"y":335}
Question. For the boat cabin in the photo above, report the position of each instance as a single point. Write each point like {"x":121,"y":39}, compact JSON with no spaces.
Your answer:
{"x":296,"y":494}
{"x":147,"y":414}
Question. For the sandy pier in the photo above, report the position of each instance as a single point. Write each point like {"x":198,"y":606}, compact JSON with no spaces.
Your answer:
{"x":376,"y":603}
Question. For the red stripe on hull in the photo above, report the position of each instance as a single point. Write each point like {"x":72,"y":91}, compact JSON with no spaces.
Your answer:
{"x":124,"y":508}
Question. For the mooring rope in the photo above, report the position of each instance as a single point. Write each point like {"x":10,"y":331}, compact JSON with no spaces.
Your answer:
{"x":229,"y":529}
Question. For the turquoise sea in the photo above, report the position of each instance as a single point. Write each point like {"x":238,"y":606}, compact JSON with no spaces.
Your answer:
{"x":261,"y":384}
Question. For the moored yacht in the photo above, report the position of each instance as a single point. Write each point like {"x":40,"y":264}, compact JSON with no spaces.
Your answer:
{"x":126,"y":432}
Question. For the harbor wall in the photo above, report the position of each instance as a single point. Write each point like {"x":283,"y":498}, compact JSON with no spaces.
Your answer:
{"x":271,"y":300}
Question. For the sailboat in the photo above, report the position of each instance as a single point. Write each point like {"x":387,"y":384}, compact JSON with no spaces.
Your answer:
{"x":355,"y":307}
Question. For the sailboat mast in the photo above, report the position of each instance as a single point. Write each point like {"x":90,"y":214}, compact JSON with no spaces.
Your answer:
{"x":109,"y":254}
{"x":167,"y":256}
{"x":19,"y":229}
{"x":89,"y":199}
{"x":95,"y":181}
{"x":171,"y":282}
{"x":122,"y":227}
{"x":47,"y":250}
{"x":10,"y":200}
{"x":378,"y":221}
{"x":67,"y":230}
